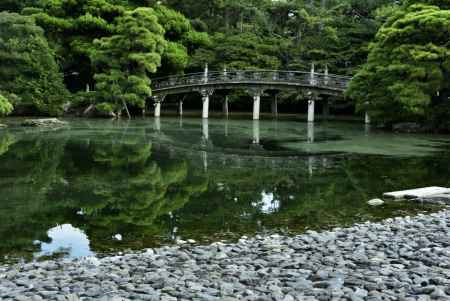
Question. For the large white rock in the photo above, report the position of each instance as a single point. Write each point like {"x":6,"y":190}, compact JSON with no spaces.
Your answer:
{"x":416,"y":193}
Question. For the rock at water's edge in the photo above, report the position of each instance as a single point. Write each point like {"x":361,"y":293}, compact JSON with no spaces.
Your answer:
{"x":45,"y":122}
{"x":3,"y":126}
{"x":375,"y":202}
{"x":407,"y":127}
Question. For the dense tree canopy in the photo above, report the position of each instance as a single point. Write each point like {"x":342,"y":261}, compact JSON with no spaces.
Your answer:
{"x":127,"y":58}
{"x":29,"y":75}
{"x":398,"y":50}
{"x":407,"y":72}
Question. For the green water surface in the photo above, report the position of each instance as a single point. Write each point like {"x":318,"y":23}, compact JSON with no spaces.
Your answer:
{"x":99,"y":186}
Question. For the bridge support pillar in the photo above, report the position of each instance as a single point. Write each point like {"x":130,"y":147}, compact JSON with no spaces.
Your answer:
{"x":256,"y":106}
{"x":205,"y":111}
{"x":256,"y":93}
{"x":158,"y":100}
{"x":206,"y":93}
{"x":367,"y":118}
{"x":225,"y":106}
{"x":180,"y":108}
{"x":157,"y":109}
{"x":311,"y":108}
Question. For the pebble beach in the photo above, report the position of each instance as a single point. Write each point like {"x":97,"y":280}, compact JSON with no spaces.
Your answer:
{"x":404,"y":258}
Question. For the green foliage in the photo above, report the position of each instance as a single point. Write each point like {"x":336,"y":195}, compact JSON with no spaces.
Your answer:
{"x":408,"y":68}
{"x":182,"y":40}
{"x":240,"y":51}
{"x":119,"y":44}
{"x":125,"y":59}
{"x":29,"y":70}
{"x":71,"y":27}
{"x":5,"y":106}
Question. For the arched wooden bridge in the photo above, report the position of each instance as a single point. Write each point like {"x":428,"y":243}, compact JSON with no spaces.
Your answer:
{"x":256,"y":83}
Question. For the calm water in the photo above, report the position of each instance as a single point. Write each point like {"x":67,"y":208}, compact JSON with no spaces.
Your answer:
{"x":101,"y":186}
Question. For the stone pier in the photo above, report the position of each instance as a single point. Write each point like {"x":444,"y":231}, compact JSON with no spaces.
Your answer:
{"x":158,"y":101}
{"x":367,"y":118}
{"x":256,"y":94}
{"x":206,"y":93}
{"x":180,"y":108}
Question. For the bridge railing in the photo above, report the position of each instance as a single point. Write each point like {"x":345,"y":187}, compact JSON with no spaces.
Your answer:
{"x":260,"y":76}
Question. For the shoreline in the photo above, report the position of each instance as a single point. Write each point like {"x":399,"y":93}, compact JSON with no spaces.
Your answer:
{"x":397,"y":128}
{"x":406,"y":257}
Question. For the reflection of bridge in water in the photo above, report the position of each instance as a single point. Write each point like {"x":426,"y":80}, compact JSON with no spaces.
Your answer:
{"x":209,"y":154}
{"x":312,"y":85}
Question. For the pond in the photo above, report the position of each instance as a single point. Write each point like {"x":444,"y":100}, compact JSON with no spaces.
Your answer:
{"x":101,"y":186}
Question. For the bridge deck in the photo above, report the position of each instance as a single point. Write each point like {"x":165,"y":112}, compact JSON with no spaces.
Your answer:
{"x":266,"y":79}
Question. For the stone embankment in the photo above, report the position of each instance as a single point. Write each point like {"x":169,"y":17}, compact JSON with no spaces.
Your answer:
{"x":398,"y":259}
{"x":44,"y":122}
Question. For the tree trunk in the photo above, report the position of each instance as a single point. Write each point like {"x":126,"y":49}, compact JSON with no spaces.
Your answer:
{"x":126,"y":108}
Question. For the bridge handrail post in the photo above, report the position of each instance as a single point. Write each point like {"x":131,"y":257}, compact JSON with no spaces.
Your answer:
{"x":205,"y":76}
{"x":312,"y":80}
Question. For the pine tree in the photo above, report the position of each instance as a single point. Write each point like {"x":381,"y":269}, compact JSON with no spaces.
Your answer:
{"x":407,"y":73}
{"x":125,"y":60}
{"x":29,"y":72}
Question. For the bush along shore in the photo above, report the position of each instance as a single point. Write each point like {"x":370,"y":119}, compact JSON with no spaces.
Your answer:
{"x":398,"y":259}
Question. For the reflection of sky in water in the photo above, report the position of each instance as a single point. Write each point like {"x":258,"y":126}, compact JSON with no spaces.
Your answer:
{"x":267,"y":204}
{"x":69,"y":239}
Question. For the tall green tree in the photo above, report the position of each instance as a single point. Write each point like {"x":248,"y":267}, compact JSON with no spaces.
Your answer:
{"x":407,"y":73}
{"x":182,"y":40}
{"x":71,"y":26}
{"x":125,"y":60}
{"x":29,"y":75}
{"x":356,"y":23}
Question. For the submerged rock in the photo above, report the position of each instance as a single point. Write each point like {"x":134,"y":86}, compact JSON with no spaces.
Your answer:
{"x":44,"y":122}
{"x":375,"y":202}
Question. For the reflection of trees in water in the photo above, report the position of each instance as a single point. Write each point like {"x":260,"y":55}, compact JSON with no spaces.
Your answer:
{"x":28,"y":168}
{"x":122,"y":189}
{"x":335,"y":194}
{"x":6,"y":140}
{"x":115,"y":182}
